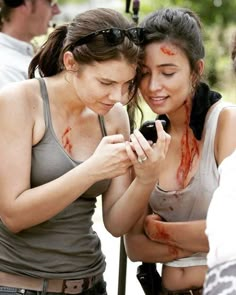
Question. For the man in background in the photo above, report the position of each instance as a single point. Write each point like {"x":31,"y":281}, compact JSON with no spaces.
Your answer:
{"x":20,"y":22}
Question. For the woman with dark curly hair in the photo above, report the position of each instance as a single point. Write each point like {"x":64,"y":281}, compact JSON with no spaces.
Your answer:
{"x":201,"y":127}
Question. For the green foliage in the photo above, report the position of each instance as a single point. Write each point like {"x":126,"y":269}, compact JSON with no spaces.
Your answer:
{"x":211,"y":12}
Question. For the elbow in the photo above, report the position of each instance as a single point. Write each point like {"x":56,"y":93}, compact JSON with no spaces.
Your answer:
{"x":133,"y":257}
{"x":133,"y":251}
{"x":115,"y":232}
{"x":11,"y":224}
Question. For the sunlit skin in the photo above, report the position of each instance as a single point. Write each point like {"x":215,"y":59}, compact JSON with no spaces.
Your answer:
{"x":165,"y":92}
{"x":162,"y":84}
{"x":89,"y":90}
{"x":107,"y":83}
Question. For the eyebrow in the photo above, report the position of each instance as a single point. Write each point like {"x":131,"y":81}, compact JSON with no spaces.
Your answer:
{"x":112,"y":81}
{"x":107,"y":80}
{"x":163,"y":65}
{"x":167,"y":65}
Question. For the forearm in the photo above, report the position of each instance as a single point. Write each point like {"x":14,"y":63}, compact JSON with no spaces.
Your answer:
{"x":189,"y":235}
{"x":127,"y":209}
{"x":193,"y":237}
{"x":140,"y":248}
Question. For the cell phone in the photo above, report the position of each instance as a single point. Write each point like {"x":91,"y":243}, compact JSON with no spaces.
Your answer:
{"x":148,"y":129}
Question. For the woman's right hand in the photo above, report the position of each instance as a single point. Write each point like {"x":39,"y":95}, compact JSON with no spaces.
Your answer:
{"x":147,"y":170}
{"x":110,"y":158}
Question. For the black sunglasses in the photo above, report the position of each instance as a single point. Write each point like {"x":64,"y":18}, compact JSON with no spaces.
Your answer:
{"x":114,"y":36}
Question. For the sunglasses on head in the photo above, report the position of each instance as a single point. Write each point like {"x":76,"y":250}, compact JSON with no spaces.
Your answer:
{"x":114,"y":36}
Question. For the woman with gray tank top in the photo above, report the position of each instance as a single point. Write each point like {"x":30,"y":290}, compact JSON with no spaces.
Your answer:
{"x":64,"y":142}
{"x":201,"y":127}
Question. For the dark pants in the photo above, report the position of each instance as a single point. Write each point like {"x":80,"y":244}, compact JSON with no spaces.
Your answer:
{"x":98,"y":289}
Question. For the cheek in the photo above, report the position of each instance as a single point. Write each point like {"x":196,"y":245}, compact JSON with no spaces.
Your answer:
{"x":125,"y":90}
{"x":180,"y":85}
{"x":143,"y":85}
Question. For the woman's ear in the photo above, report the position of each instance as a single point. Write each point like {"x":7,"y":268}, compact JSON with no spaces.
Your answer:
{"x":200,"y":65}
{"x":196,"y":75}
{"x":69,"y":62}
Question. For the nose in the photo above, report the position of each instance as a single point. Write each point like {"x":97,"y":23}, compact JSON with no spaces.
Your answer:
{"x":116,"y":95}
{"x":56,"y":9}
{"x":154,"y":83}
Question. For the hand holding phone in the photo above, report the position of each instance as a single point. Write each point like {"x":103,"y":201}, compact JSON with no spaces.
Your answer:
{"x":148,"y":129}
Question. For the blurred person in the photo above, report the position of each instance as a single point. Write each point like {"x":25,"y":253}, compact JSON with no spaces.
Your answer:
{"x":172,"y":231}
{"x":221,"y":259}
{"x":20,"y":22}
{"x":66,"y":143}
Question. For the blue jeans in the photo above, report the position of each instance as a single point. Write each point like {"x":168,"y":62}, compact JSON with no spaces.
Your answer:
{"x":98,"y":289}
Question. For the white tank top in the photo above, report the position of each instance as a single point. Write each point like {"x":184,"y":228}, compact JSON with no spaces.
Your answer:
{"x":192,"y":202}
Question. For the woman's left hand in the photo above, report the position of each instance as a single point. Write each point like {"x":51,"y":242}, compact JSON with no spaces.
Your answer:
{"x":155,"y":229}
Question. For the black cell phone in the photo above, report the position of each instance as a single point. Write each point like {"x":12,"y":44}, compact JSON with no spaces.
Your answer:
{"x":148,"y":129}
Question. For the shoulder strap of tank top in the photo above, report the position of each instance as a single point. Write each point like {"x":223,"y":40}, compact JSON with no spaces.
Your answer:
{"x":102,"y":125}
{"x":210,"y":129}
{"x":44,"y":94}
{"x":46,"y":110}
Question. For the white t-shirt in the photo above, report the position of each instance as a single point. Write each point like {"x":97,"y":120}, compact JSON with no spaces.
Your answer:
{"x":221,"y":216}
{"x":15,"y":56}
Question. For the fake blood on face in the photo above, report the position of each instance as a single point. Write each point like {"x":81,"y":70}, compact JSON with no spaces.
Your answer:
{"x":167,"y":50}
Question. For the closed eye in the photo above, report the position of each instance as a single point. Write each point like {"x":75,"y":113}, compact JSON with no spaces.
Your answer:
{"x":106,"y":83}
{"x":168,"y":74}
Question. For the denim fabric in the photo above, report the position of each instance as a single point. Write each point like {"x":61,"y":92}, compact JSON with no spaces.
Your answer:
{"x":98,"y":289}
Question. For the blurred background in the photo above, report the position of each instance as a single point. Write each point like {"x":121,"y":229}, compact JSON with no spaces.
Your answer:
{"x":219,"y":24}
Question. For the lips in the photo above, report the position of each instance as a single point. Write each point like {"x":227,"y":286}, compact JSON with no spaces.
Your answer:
{"x":158,"y":98}
{"x":107,"y":106}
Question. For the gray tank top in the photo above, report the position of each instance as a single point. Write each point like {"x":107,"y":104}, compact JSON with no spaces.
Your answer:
{"x":192,"y":202}
{"x":65,"y":246}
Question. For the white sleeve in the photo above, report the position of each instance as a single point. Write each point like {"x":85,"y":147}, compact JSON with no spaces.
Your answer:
{"x":221,"y":216}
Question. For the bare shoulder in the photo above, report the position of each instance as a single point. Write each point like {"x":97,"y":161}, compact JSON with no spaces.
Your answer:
{"x":20,"y":96}
{"x":118,"y":120}
{"x":227,"y":119}
{"x":225,"y":141}
{"x":20,"y":105}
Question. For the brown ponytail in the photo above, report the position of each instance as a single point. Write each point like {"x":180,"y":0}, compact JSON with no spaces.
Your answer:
{"x":48,"y":60}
